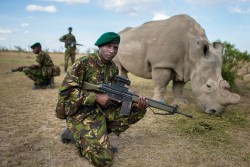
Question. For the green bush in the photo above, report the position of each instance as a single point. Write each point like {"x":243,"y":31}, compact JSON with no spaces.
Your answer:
{"x":233,"y":60}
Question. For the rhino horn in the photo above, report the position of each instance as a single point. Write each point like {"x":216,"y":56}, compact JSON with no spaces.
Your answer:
{"x":227,"y":97}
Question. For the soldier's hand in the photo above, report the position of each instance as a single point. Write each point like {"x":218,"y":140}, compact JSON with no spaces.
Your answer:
{"x":33,"y":66}
{"x":142,"y":103}
{"x":20,"y":68}
{"x":105,"y":100}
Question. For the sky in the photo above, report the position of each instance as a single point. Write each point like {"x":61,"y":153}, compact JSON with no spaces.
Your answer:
{"x":24,"y":22}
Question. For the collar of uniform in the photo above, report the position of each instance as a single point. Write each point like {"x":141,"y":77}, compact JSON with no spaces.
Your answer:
{"x":39,"y":53}
{"x":99,"y":61}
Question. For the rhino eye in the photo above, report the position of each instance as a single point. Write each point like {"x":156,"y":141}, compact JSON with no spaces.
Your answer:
{"x":208,"y":86}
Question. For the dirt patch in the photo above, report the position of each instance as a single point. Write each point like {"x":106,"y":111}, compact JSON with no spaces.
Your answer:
{"x":30,"y":133}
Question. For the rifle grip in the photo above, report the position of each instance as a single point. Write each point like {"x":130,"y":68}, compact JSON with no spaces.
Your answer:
{"x":126,"y":107}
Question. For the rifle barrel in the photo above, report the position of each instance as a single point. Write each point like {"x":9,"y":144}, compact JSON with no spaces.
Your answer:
{"x":156,"y":104}
{"x":162,"y":106}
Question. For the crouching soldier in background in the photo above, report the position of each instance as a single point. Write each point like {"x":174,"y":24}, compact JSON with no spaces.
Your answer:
{"x":43,"y":71}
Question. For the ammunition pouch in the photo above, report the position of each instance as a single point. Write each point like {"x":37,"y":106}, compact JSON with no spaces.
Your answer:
{"x":51,"y":71}
{"x":60,"y":110}
{"x":56,"y":71}
{"x":47,"y":71}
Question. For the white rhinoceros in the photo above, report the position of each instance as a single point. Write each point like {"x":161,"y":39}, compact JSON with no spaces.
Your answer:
{"x":176,"y":49}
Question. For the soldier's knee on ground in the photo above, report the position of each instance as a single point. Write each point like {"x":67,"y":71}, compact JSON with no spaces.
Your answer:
{"x":67,"y":136}
{"x":100,"y":159}
{"x":99,"y":156}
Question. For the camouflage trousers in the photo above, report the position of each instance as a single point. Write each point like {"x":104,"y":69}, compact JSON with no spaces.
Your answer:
{"x":69,"y":53}
{"x":36,"y":75}
{"x":92,"y":128}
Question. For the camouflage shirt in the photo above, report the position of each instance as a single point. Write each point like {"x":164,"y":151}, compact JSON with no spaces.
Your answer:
{"x":44,"y":60}
{"x":86,"y":69}
{"x":69,"y":40}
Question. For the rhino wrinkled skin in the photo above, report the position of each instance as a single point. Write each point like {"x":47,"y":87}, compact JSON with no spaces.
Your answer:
{"x":176,"y":49}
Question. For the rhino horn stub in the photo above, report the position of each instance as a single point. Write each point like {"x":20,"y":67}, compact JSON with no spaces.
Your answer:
{"x":228,"y":97}
{"x":233,"y":98}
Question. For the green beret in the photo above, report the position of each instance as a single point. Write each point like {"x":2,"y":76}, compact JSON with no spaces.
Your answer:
{"x":108,"y":37}
{"x":35,"y":45}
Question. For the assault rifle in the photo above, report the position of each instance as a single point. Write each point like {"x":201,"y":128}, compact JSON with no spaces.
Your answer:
{"x":119,"y":91}
{"x":72,"y":44}
{"x":18,"y":69}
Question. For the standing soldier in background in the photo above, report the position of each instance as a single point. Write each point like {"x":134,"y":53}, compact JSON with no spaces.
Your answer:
{"x":43,"y":71}
{"x":70,"y":45}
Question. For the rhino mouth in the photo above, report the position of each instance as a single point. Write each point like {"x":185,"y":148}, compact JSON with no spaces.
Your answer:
{"x":211,"y":110}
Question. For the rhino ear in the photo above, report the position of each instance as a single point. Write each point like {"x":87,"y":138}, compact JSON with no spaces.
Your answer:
{"x":204,"y":46}
{"x":218,"y":46}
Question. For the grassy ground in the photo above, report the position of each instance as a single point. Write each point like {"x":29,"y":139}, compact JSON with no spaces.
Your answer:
{"x":30,"y":133}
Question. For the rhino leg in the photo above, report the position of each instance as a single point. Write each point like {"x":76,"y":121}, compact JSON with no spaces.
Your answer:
{"x":178,"y":92}
{"x":122,"y":71}
{"x":161,"y":78}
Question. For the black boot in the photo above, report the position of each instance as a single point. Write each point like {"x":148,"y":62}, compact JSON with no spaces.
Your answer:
{"x":39,"y":86}
{"x":51,"y":83}
{"x":67,"y":136}
{"x":114,"y":149}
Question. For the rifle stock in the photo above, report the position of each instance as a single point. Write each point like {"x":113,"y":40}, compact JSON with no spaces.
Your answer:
{"x":120,"y":92}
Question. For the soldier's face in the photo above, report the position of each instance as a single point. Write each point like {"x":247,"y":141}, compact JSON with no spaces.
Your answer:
{"x":36,"y":50}
{"x":107,"y":52}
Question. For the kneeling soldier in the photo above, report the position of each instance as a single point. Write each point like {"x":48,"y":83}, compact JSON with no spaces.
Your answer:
{"x":43,"y":71}
{"x":92,"y":116}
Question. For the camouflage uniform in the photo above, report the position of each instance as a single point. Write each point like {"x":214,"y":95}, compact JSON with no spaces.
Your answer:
{"x":70,"y":46}
{"x":42,"y":74}
{"x":89,"y":122}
